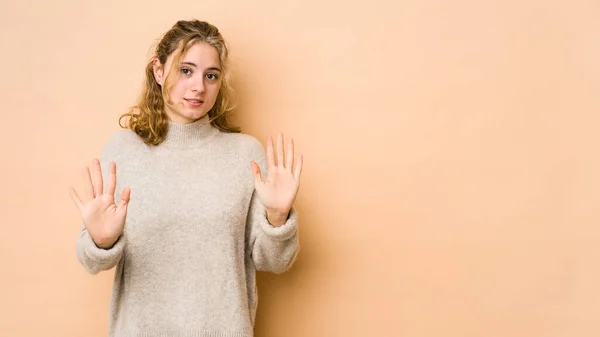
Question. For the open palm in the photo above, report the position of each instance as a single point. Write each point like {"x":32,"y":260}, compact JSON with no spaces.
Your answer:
{"x":278,"y":191}
{"x":103,"y":219}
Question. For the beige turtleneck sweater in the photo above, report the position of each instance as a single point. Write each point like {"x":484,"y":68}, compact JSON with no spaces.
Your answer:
{"x":194,"y":236}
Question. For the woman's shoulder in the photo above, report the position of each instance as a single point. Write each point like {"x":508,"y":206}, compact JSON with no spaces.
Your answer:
{"x":244,"y":142}
{"x":244,"y":146}
{"x":123,"y":137}
{"x":122,"y":141}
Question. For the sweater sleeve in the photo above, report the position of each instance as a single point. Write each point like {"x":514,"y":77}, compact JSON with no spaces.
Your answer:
{"x":93,"y":258}
{"x":273,"y":249}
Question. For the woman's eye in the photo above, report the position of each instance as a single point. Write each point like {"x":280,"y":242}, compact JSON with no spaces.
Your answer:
{"x":186,"y":71}
{"x":212,"y":76}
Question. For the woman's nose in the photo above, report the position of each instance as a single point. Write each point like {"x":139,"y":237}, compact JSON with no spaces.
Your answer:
{"x":198,"y":85}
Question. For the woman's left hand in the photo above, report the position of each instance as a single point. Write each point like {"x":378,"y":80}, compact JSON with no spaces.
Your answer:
{"x":278,"y":191}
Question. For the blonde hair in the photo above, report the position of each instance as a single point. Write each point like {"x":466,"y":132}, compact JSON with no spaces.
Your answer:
{"x":148,"y":117}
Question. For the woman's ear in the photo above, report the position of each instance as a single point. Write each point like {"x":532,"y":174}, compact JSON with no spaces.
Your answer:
{"x":158,"y":71}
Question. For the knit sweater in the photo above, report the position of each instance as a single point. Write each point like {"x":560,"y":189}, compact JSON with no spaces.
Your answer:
{"x":194,"y":236}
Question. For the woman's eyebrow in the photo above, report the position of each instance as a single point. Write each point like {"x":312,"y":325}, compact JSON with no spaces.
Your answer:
{"x":195,"y":66}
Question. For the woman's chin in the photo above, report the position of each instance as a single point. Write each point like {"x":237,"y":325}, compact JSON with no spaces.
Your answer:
{"x":194,"y":114}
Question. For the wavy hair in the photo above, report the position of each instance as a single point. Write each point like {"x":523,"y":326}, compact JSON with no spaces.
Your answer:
{"x":148,"y":117}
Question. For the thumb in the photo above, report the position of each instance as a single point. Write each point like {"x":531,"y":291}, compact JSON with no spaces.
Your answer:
{"x":256,"y":172}
{"x":125,"y":197}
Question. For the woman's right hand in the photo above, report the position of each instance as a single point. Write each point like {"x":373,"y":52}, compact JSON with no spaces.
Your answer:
{"x":103,"y":219}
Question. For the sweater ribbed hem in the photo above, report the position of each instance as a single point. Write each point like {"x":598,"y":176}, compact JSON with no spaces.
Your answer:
{"x":180,"y":333}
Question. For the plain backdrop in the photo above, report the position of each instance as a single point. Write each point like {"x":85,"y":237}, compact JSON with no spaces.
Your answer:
{"x":450,"y":185}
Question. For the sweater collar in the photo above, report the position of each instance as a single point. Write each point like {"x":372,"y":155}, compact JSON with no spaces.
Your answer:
{"x":190,"y":134}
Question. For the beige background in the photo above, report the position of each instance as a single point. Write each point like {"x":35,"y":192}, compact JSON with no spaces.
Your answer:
{"x":451,"y":180}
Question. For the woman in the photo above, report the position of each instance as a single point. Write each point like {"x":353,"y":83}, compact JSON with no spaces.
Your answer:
{"x":202,"y":217}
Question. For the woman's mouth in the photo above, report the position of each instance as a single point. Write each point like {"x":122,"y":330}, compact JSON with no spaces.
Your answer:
{"x":194,"y":102}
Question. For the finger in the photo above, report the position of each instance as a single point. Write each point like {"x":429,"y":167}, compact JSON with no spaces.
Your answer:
{"x":270,"y":155}
{"x":280,"y":149}
{"x":125,"y":197}
{"x":75,"y":198}
{"x":98,"y":183}
{"x":298,"y":168}
{"x":289,"y":155}
{"x":256,"y":172}
{"x":87,"y":181}
{"x":112,"y":179}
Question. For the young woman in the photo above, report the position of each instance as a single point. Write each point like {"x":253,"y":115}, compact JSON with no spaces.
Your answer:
{"x":196,"y":215}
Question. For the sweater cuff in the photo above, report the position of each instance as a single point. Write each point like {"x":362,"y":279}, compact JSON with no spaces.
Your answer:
{"x":283,"y":232}
{"x":98,"y":254}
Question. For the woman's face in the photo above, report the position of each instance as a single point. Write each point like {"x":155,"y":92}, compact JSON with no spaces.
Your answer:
{"x":196,"y":85}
